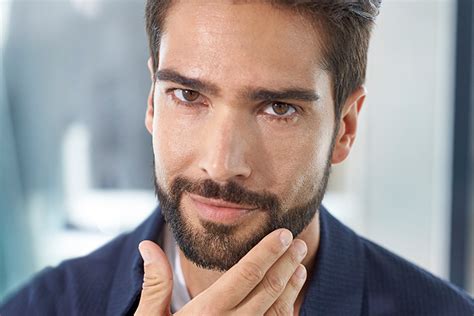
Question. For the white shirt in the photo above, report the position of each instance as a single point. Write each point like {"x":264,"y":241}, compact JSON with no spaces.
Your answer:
{"x":180,"y":296}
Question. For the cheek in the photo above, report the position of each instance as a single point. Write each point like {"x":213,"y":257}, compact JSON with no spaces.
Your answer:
{"x":173,"y":144}
{"x":298,"y":162}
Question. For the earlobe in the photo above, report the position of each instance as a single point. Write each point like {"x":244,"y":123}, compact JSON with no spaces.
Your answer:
{"x":341,"y":151}
{"x":348,"y":125}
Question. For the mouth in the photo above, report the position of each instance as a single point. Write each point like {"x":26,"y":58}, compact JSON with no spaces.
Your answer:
{"x":219,"y":211}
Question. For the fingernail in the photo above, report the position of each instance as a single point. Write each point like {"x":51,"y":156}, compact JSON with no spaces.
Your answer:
{"x":300,"y":248}
{"x":300,"y":272}
{"x":285,"y":237}
{"x":146,"y":256}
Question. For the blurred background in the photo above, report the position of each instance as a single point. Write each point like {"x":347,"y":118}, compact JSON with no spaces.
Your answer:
{"x":76,"y":160}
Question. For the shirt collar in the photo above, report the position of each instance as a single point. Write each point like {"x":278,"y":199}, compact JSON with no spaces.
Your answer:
{"x":336,"y":286}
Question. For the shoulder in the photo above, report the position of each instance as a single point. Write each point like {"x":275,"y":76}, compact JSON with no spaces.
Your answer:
{"x":74,"y":285}
{"x":396,"y":285}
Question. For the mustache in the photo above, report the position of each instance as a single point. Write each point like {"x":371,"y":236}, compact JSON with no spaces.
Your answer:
{"x":231,"y":192}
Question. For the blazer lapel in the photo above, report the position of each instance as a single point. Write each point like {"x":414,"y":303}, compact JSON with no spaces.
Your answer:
{"x":336,"y":286}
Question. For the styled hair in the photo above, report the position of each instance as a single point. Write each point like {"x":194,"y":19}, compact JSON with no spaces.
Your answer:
{"x":346,"y":26}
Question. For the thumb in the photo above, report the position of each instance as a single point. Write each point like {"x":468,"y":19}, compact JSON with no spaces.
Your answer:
{"x":157,"y":281}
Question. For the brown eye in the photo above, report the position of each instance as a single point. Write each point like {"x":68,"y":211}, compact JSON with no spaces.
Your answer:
{"x":190,"y":95}
{"x":280,"y":108}
{"x":186,"y":96}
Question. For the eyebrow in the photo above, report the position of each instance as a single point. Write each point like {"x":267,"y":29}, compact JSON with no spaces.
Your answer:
{"x":193,"y":84}
{"x":255,"y":94}
{"x":296,"y":94}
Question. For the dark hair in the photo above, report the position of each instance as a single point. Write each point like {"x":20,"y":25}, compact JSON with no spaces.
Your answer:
{"x":346,"y":25}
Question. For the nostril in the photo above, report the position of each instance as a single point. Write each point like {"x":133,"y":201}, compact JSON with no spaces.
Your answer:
{"x":225,"y":172}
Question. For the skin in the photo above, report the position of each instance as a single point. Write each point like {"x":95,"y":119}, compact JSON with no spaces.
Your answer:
{"x":228,"y":135}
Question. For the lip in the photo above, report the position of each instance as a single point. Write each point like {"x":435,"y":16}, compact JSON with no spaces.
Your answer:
{"x":219,"y":211}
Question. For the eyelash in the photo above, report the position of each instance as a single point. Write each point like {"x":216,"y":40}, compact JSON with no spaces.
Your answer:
{"x":269,"y":116}
{"x":283,"y":118}
{"x":175,"y":99}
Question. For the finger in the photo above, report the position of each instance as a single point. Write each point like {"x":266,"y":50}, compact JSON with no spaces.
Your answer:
{"x":275,"y":281}
{"x":157,"y":281}
{"x":242,"y":278}
{"x":284,"y":305}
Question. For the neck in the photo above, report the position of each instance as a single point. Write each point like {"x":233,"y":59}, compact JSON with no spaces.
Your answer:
{"x":199,"y":279}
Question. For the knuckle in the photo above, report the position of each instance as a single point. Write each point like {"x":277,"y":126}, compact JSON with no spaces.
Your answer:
{"x":251,"y":272}
{"x":151,"y":291}
{"x":274,"y":285}
{"x":275,"y":248}
{"x":282,"y":308}
{"x":296,"y":283}
{"x":294,"y":258}
{"x":152,"y":280}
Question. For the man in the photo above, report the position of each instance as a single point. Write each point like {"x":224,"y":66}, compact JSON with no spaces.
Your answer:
{"x":251,"y":103}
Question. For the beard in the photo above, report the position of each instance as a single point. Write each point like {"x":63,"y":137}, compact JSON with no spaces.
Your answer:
{"x":217,"y":246}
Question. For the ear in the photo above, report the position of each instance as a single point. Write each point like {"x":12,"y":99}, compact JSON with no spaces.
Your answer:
{"x":348,"y":125}
{"x":149,"y":109}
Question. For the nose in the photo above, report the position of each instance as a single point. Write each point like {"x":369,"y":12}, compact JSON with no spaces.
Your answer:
{"x":225,"y":150}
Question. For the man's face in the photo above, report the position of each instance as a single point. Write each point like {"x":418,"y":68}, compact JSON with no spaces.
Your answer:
{"x":242,"y":124}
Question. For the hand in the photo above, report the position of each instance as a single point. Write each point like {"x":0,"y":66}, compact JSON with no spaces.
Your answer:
{"x":265,"y":281}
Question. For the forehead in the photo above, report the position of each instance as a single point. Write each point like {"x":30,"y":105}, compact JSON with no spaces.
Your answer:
{"x":241,"y":42}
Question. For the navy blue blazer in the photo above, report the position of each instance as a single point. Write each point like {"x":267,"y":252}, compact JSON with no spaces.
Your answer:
{"x":352,"y":276}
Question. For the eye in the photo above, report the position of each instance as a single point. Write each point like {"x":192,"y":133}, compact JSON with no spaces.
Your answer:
{"x":280,"y":109}
{"x":185,"y":95}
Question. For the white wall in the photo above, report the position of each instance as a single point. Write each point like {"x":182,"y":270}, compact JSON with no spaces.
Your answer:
{"x":399,"y":171}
